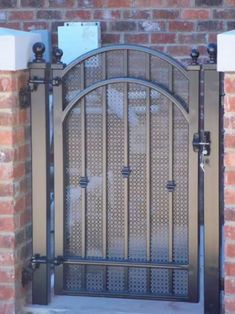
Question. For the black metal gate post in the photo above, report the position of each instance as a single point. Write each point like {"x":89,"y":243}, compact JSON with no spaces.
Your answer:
{"x":39,"y":85}
{"x":57,"y":68}
{"x":193,"y":178}
{"x":211,"y":189}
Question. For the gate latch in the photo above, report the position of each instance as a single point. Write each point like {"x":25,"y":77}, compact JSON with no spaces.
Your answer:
{"x":202,"y":143}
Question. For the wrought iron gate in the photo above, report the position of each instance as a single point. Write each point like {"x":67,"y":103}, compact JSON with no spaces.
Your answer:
{"x":125,"y":173}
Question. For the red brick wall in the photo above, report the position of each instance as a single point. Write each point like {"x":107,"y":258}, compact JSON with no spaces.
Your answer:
{"x":173,"y":26}
{"x":15,"y":192}
{"x":229,"y":161}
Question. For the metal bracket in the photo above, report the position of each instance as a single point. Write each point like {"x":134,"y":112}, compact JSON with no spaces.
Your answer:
{"x":37,"y":260}
{"x":25,"y":93}
{"x":202,"y":143}
{"x":56,"y":81}
{"x":25,"y":97}
{"x":126,"y":171}
{"x":171,"y":186}
{"x":83,"y":182}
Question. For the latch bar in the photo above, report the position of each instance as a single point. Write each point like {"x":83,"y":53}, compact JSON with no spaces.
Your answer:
{"x":202,"y":143}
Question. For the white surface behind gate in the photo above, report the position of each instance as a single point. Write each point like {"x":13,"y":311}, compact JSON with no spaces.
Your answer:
{"x":76,"y":38}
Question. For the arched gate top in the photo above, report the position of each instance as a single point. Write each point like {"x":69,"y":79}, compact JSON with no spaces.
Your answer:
{"x":148,"y":84}
{"x":138,"y":48}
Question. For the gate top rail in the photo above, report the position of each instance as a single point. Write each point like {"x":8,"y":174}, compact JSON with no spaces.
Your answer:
{"x":155,"y":53}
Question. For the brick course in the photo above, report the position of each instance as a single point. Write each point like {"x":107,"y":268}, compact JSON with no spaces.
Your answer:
{"x":125,"y":21}
{"x":15,"y":204}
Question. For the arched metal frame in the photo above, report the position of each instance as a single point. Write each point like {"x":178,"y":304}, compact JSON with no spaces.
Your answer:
{"x":154,"y":86}
{"x":146,"y":50}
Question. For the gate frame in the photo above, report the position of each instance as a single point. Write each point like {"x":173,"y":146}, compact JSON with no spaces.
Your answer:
{"x":40,"y":165}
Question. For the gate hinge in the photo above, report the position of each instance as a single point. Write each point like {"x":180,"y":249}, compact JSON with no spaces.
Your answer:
{"x":202,"y":143}
{"x":37,"y":259}
{"x":56,"y":81}
{"x":25,"y":92}
{"x":25,"y":96}
{"x":35,"y":262}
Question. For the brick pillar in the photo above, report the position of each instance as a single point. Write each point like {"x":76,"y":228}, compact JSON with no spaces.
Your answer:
{"x":15,"y":192}
{"x":229,"y":180}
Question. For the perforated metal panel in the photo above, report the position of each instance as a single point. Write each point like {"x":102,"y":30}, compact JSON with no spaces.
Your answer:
{"x":137,"y":159}
{"x":159,"y":178}
{"x":72,"y":190}
{"x":126,"y":166}
{"x":115,"y":157}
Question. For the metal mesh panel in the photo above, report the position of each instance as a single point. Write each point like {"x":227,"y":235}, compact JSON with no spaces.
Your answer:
{"x":115,"y":64}
{"x":93,"y":69}
{"x":138,"y":280}
{"x":180,"y":282}
{"x":159,"y":177}
{"x":160,"y":282}
{"x":73,"y":275}
{"x":115,"y":147}
{"x":72,"y":84}
{"x":116,"y":279}
{"x":95,"y":280}
{"x":160,"y":71}
{"x":137,"y":64}
{"x":180,"y":196}
{"x":137,"y":180}
{"x":181,"y":86}
{"x":94,"y":157}
{"x":72,"y":166}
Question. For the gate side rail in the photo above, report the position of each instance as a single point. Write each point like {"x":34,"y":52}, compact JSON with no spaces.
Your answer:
{"x":212,"y":186}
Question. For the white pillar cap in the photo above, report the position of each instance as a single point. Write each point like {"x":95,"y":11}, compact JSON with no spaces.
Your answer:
{"x":16,"y":48}
{"x":226,"y":52}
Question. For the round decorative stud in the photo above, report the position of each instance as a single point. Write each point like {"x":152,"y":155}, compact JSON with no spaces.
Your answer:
{"x":194,"y":55}
{"x":57,"y":54}
{"x":38,"y":50}
{"x":212,"y":51}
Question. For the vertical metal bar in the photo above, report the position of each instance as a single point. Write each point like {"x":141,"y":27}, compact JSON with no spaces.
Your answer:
{"x":126,"y":161}
{"x":40,"y":181}
{"x":83,"y":140}
{"x":170,"y":178}
{"x":126,"y":181}
{"x":58,"y":176}
{"x":193,"y":187}
{"x":83,"y":170}
{"x":148,"y":172}
{"x":148,"y":160}
{"x":104,"y":100}
{"x":211,"y":190}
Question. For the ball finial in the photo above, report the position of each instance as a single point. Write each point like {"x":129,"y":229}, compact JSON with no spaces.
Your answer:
{"x":57,"y":54}
{"x":194,"y":55}
{"x":38,"y":50}
{"x":212,"y":51}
